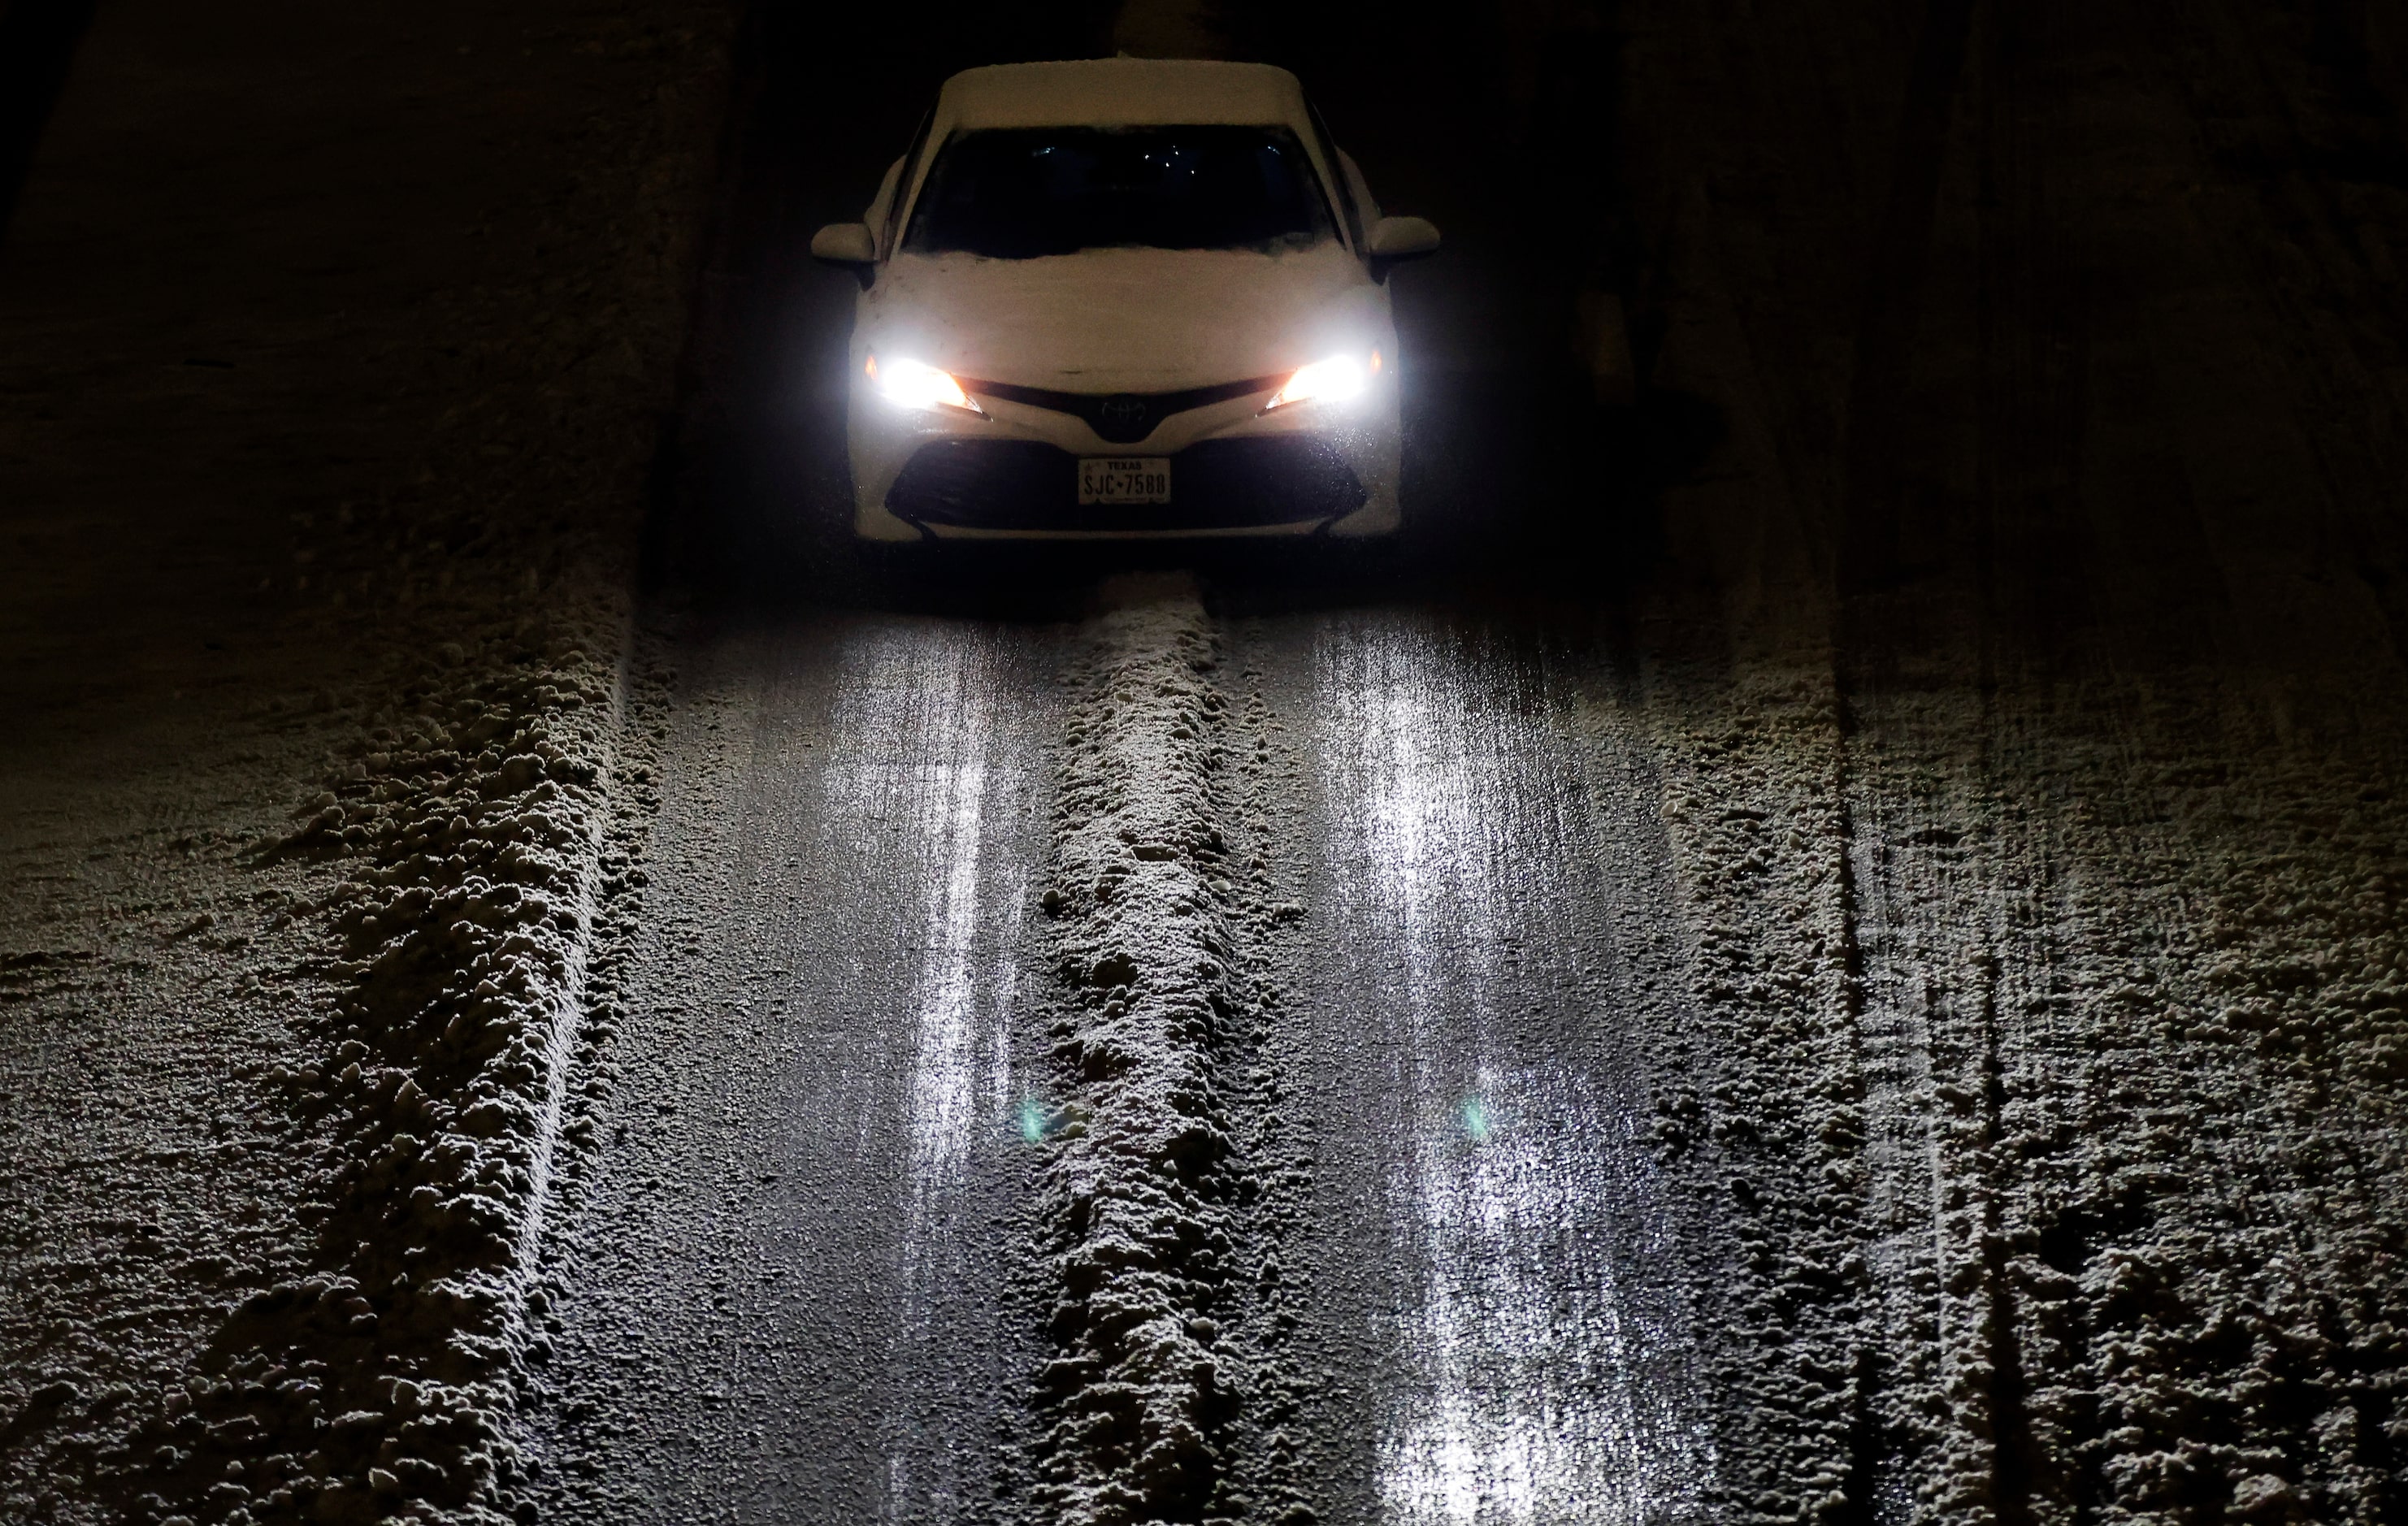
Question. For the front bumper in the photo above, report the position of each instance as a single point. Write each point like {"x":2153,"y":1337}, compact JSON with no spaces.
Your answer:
{"x":1312,"y":469}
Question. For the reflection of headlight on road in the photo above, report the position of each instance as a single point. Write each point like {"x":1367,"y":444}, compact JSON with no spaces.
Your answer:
{"x":913,"y":384}
{"x":1333,"y":380}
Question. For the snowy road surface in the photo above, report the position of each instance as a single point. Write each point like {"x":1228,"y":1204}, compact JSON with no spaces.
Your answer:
{"x":803,"y":1271}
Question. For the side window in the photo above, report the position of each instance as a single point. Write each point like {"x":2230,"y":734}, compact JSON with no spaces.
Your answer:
{"x":893,"y":229}
{"x":1331,"y":156}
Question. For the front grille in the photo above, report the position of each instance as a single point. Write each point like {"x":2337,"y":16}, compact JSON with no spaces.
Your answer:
{"x":1216,"y":485}
{"x":1123,"y":418}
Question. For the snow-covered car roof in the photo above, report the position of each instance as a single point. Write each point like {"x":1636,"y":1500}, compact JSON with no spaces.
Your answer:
{"x":1120,"y":92}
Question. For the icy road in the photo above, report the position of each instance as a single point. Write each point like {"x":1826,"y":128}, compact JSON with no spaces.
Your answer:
{"x":1828,"y":941}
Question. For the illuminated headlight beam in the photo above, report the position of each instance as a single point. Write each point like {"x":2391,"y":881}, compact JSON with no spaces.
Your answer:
{"x":1333,"y":380}
{"x":916,"y":384}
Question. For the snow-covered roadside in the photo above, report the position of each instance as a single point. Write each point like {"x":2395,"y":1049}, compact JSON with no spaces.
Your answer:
{"x":1769,"y":1109}
{"x":320,"y":1119}
{"x":2130,"y":1000}
{"x":1763,"y":1118}
{"x":2045,"y":1129}
{"x":471,"y":852}
{"x":360,"y":1060}
{"x":2076,"y":527}
{"x":149,"y":980}
{"x":2273,"y":1301}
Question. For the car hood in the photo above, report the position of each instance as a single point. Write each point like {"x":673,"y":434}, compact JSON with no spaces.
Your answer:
{"x":1123,"y":319}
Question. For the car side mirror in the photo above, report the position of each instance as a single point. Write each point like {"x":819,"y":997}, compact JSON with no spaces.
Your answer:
{"x":1398,"y":238}
{"x":847,"y":244}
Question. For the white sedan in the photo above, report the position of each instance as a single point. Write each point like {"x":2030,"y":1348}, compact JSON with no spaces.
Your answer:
{"x":1123,"y":297}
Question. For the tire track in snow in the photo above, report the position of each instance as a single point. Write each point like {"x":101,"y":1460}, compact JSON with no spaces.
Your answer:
{"x":781,"y":1294}
{"x":962,"y":1002}
{"x":1512,"y":1226}
{"x":1490,"y":1289}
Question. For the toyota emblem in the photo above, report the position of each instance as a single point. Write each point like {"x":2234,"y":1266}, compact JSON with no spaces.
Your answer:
{"x":1123,"y":415}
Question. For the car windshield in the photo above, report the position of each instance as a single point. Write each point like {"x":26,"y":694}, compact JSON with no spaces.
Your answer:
{"x":1017,"y":193}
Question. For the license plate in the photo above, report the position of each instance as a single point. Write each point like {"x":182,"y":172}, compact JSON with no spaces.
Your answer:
{"x":1121,"y":479}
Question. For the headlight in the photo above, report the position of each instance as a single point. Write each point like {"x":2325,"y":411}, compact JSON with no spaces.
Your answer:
{"x":913,"y":384}
{"x":1333,"y":380}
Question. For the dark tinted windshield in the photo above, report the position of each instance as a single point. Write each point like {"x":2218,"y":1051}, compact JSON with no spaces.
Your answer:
{"x":1019,"y":193}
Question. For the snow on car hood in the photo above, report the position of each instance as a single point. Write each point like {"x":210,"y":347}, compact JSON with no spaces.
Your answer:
{"x":1123,"y":319}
